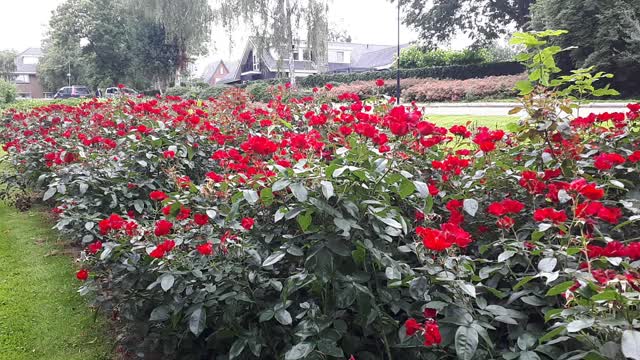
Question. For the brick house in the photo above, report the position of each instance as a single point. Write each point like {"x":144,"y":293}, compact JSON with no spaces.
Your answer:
{"x":218,"y":70}
{"x":26,"y":76}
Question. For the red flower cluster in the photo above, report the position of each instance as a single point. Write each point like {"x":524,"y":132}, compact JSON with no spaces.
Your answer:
{"x":440,"y":240}
{"x":430,"y":330}
{"x":550,"y":214}
{"x":158,"y":196}
{"x":607,"y":161}
{"x":504,"y":207}
{"x":615,"y":249}
{"x":486,"y":139}
{"x":247,"y":223}
{"x":161,"y":250}
{"x":163,"y":227}
{"x":532,"y":182}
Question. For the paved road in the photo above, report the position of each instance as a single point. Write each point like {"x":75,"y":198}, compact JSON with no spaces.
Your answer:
{"x":503,"y":108}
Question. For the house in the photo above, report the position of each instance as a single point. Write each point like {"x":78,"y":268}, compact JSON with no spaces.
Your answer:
{"x":26,"y":76}
{"x":218,"y":71}
{"x":341,"y":57}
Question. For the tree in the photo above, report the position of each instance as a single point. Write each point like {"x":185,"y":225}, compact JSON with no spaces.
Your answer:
{"x":439,"y":21}
{"x":187,"y":24}
{"x":103,"y":43}
{"x":274,"y":24}
{"x":7,"y":64}
{"x":339,"y":34}
{"x":610,"y":42}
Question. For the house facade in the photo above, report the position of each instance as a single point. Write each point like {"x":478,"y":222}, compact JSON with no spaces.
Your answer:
{"x":26,"y":77}
{"x":217,"y":71}
{"x":341,"y":57}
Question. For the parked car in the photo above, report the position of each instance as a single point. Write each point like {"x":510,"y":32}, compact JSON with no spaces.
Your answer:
{"x":75,"y":91}
{"x":114,"y":92}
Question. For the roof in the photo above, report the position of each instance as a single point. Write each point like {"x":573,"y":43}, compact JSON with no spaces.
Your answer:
{"x":210,"y":69}
{"x":22,"y":68}
{"x":234,"y":67}
{"x":379,"y":58}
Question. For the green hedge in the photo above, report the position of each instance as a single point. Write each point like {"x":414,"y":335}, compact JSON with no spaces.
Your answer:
{"x":458,"y":72}
{"x":197,"y":92}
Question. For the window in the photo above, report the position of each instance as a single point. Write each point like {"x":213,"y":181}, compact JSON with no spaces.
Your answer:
{"x":221,"y":70}
{"x":340,"y":56}
{"x":30,"y":60}
{"x":256,"y":61}
{"x":307,"y":55}
{"x":296,"y":55}
{"x":22,"y":79}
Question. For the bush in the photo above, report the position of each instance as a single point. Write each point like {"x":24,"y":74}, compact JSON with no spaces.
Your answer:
{"x":198,"y":91}
{"x":456,"y":72}
{"x":7,"y":92}
{"x":307,"y":230}
{"x":415,"y":57}
{"x":425,"y":90}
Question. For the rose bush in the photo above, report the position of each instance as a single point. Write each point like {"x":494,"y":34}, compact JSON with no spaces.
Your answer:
{"x":302,"y":230}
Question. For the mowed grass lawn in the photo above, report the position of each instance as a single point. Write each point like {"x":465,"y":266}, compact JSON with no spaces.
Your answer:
{"x":41,"y":314}
{"x":42,"y":317}
{"x":490,"y":121}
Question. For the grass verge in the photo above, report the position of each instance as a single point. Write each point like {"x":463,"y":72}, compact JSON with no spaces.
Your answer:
{"x":493,"y":122}
{"x":41,"y":314}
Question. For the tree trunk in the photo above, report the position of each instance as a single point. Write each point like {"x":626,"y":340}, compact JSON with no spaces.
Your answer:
{"x":292,"y":68}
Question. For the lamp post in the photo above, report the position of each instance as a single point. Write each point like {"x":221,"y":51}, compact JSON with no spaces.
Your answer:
{"x":69,"y":74}
{"x":398,"y":61}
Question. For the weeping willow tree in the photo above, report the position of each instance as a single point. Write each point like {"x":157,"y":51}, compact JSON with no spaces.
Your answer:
{"x":187,"y":24}
{"x":280,"y":25}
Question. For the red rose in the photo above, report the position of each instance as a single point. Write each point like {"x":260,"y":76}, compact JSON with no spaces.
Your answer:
{"x":82,"y":275}
{"x":505,"y":223}
{"x":606,"y":161}
{"x":419,"y":216}
{"x":205,"y":249}
{"x":247,"y":223}
{"x":432,"y":334}
{"x":551,"y":214}
{"x":412,"y":326}
{"x":163,"y":227}
{"x":157,"y":253}
{"x":95,"y":247}
{"x":429,"y":313}
{"x":169,"y":154}
{"x":158,"y":195}
{"x":201,"y":219}
{"x":328,"y":87}
{"x":121,"y":86}
{"x":379,"y":82}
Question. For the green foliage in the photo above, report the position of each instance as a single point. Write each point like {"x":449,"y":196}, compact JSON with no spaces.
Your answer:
{"x":415,"y":57}
{"x":606,"y":35}
{"x":440,"y":20}
{"x":459,"y":72}
{"x":7,"y":64}
{"x":197,"y":91}
{"x":7,"y":92}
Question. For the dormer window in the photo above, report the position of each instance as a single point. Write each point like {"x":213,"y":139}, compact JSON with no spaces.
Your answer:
{"x":29,"y":60}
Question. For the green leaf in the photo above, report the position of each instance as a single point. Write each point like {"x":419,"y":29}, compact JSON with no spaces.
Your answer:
{"x":166,"y":281}
{"x":237,"y":348}
{"x":197,"y":321}
{"x":631,"y":344}
{"x":327,"y":189}
{"x":523,"y":282}
{"x":49,"y":193}
{"x":83,"y":188}
{"x":266,"y":315}
{"x":251,"y":196}
{"x":266,"y":195}
{"x":273,"y":258}
{"x":560,"y":288}
{"x":605,"y":295}
{"x":280,"y":185}
{"x":330,"y":348}
{"x":466,"y":342}
{"x":160,"y":313}
{"x":552,"y":334}
{"x":304,"y":220}
{"x":524,"y":86}
{"x":283,"y":316}
{"x":581,"y":324}
{"x":406,"y":188}
{"x":299,"y":191}
{"x":299,"y":351}
{"x":470,"y":206}
{"x":528,"y":355}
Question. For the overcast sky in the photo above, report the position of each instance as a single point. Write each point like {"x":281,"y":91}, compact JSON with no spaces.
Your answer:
{"x":23,"y":24}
